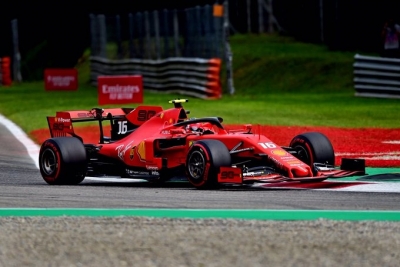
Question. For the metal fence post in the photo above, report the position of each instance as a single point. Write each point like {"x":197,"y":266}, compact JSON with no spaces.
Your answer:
{"x":139,"y":19}
{"x":272,"y":21}
{"x":157,"y":33}
{"x":321,"y":18}
{"x":93,"y":35}
{"x":228,"y":52}
{"x":131,"y":36}
{"x":17,"y":56}
{"x":119,"y":41}
{"x":198,"y":34}
{"x":260,"y":16}
{"x":102,"y":36}
{"x":248,"y":9}
{"x":147,"y":34}
{"x":166,"y":33}
{"x":176,"y":32}
{"x":209,"y":45}
{"x":270,"y":17}
{"x":219,"y":31}
{"x":189,"y":31}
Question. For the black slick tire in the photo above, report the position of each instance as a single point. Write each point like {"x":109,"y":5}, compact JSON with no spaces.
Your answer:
{"x":63,"y":161}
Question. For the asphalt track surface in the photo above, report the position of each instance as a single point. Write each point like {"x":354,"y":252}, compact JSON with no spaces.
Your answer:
{"x":21,"y":186}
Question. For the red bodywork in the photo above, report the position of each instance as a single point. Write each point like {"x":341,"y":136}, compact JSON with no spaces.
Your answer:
{"x":160,"y":140}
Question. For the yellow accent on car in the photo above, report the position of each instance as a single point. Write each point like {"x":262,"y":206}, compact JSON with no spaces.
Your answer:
{"x":141,"y":151}
{"x":178,"y":101}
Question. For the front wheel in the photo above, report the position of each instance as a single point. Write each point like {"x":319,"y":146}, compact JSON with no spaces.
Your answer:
{"x":203,"y":161}
{"x":313,"y":147}
{"x":63,"y":161}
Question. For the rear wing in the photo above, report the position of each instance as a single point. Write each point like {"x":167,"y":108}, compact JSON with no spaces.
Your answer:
{"x":84,"y":115}
{"x":61,"y":124}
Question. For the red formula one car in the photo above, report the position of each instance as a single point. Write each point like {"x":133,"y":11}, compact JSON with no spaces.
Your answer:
{"x":148,"y":142}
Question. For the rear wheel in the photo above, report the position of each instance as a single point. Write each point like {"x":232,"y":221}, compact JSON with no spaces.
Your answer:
{"x":63,"y":161}
{"x":203,"y":161}
{"x":313,"y":147}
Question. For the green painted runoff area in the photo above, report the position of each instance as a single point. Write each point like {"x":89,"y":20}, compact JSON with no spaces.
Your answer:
{"x":373,"y":171}
{"x":348,"y":215}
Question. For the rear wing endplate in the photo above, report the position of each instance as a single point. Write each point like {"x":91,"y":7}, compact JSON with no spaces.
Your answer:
{"x":60,"y":125}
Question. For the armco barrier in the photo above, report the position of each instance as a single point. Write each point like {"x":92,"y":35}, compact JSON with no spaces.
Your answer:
{"x":376,"y":76}
{"x":187,"y":76}
{"x":5,"y":71}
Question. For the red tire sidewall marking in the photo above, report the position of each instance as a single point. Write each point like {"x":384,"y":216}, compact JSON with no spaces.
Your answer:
{"x":307,"y":146}
{"x":204,"y":151}
{"x":310,"y":153}
{"x":57,"y":153}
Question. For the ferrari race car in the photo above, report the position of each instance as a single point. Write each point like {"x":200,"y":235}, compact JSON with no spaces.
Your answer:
{"x":150,"y":143}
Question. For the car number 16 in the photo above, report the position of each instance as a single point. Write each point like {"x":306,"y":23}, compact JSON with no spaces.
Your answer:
{"x":267,"y":145}
{"x":122,"y":127}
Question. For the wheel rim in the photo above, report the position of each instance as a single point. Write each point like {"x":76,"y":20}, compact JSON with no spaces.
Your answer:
{"x":196,"y":165}
{"x":302,"y":154}
{"x":48,"y":162}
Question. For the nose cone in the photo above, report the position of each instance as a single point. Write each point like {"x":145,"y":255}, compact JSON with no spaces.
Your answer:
{"x":300,"y":171}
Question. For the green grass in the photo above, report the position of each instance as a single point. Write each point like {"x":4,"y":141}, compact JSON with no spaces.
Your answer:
{"x":277,"y":80}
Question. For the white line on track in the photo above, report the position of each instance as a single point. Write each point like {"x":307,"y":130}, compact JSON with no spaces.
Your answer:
{"x":368,"y":153}
{"x":393,"y":142}
{"x":389,"y":155}
{"x":31,"y":147}
{"x":374,"y":187}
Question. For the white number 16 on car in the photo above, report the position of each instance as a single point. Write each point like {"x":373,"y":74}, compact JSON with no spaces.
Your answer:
{"x":267,"y":145}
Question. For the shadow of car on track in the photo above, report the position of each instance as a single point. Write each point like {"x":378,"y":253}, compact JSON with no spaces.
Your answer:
{"x":167,"y":185}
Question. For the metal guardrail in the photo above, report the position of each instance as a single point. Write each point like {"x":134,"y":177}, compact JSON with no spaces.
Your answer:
{"x":376,"y":76}
{"x":197,"y":77}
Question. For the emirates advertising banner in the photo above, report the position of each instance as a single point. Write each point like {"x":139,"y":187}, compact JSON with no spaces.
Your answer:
{"x":122,"y":89}
{"x":61,"y":79}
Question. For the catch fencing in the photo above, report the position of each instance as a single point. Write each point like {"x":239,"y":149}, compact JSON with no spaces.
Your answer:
{"x":376,"y":76}
{"x":174,"y":50}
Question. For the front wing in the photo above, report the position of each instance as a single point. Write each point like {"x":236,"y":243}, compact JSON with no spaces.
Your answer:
{"x":234,"y":175}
